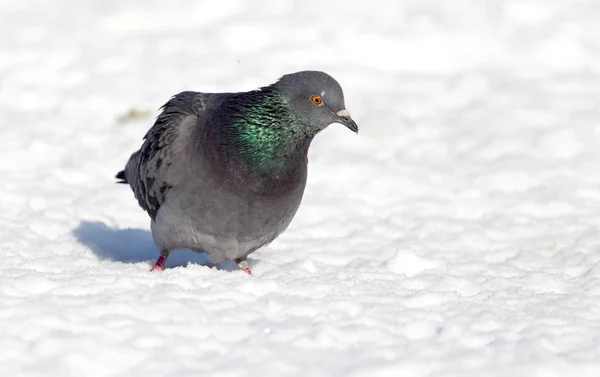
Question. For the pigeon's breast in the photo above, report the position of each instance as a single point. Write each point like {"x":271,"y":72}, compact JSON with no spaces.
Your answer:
{"x":227,"y":219}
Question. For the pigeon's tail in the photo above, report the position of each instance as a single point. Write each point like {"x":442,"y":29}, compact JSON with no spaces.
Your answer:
{"x":121,"y":175}
{"x":128,"y":175}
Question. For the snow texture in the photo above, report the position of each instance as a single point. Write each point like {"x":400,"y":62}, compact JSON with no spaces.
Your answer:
{"x":456,"y":235}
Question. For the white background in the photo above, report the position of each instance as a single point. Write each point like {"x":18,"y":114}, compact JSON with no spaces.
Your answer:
{"x":456,"y":235}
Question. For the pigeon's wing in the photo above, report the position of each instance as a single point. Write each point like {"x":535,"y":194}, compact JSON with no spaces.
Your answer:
{"x":160,"y":163}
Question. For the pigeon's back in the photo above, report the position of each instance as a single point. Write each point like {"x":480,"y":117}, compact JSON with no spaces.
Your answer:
{"x":161,"y":162}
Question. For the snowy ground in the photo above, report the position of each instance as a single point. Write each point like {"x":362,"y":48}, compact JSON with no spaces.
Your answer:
{"x":457,"y":235}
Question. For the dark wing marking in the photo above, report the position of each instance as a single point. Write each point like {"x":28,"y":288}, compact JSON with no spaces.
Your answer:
{"x":150,"y":171}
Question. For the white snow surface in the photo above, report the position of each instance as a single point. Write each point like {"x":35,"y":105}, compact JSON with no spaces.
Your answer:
{"x":456,"y":235}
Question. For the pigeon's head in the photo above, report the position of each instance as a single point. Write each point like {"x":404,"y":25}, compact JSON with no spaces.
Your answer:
{"x":316,"y":97}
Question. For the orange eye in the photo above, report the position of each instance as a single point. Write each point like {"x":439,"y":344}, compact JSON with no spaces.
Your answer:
{"x":316,"y":100}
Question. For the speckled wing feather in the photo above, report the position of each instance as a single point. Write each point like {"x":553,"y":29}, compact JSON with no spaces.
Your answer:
{"x":151,"y":171}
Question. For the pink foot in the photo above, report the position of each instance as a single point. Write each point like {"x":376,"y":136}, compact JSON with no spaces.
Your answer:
{"x":160,"y":264}
{"x":243,"y":265}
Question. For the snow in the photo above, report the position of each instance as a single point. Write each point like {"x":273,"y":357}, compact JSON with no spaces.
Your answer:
{"x":456,"y":235}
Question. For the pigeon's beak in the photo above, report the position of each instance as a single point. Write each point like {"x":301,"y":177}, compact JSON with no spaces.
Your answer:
{"x":344,"y":118}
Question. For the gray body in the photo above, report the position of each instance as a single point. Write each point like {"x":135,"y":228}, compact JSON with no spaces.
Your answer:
{"x":197,"y":208}
{"x":196,"y":192}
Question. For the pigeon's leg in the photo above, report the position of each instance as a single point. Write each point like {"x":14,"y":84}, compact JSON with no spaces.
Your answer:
{"x":160,"y":263}
{"x":243,"y":265}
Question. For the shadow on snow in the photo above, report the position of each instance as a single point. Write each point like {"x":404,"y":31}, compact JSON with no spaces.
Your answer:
{"x":134,"y":246}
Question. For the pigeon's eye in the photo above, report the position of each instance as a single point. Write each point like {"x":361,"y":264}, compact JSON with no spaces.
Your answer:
{"x":316,"y":100}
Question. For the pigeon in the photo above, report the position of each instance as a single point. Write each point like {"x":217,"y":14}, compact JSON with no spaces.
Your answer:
{"x":224,"y":173}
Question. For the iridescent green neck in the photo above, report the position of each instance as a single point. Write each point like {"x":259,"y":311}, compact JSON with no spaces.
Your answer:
{"x":269,"y":134}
